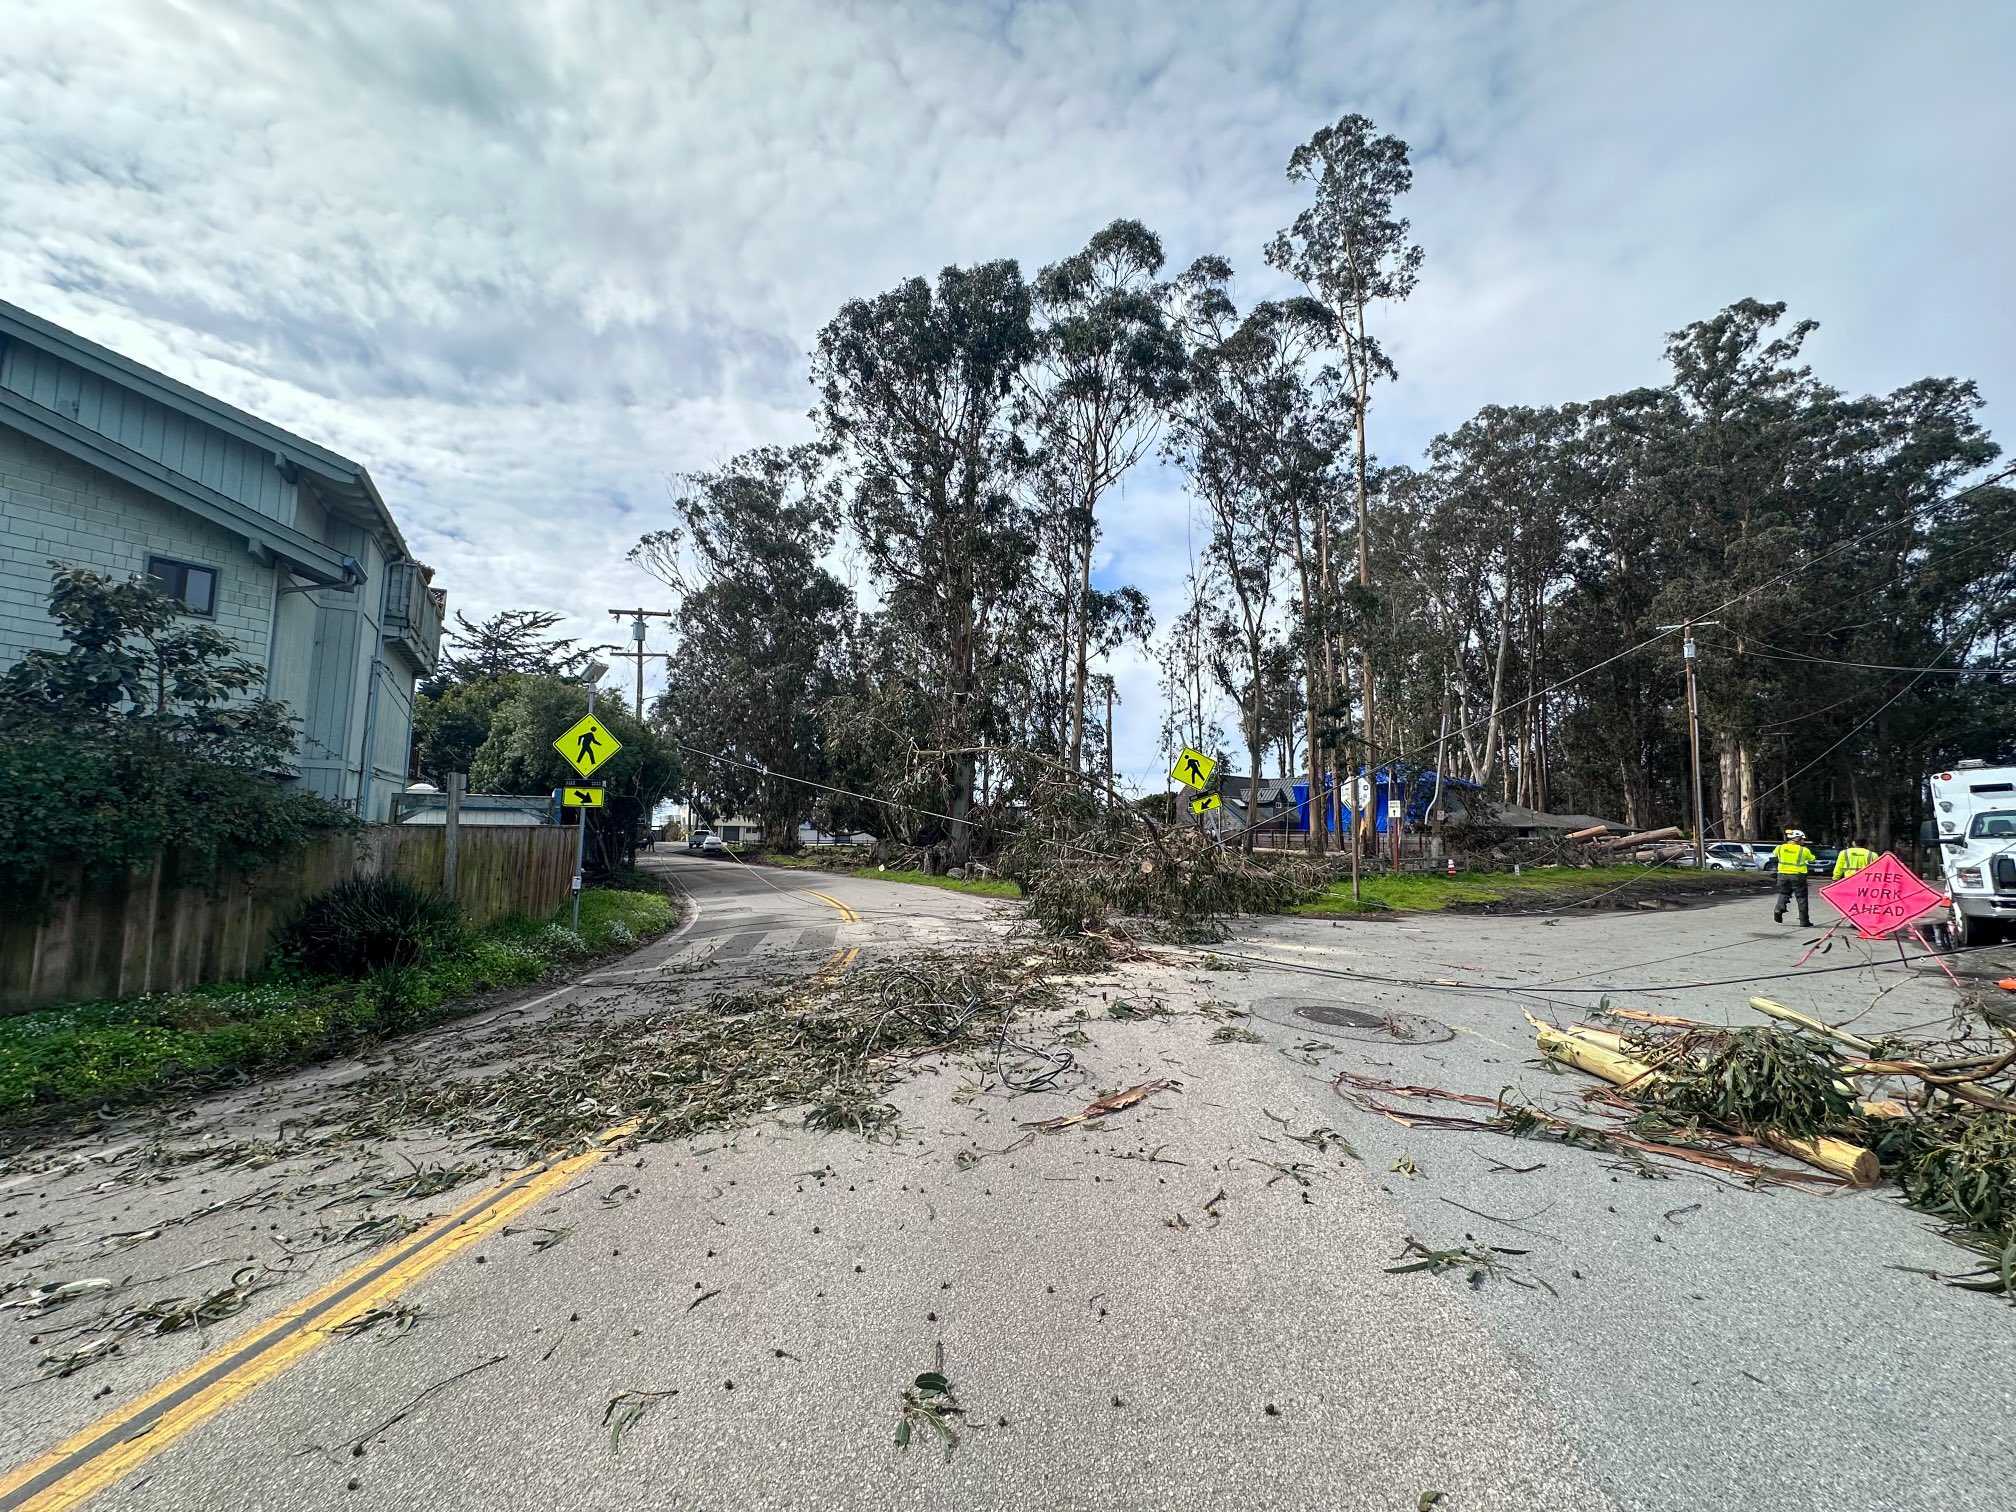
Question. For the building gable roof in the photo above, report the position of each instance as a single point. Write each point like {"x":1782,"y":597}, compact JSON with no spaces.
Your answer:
{"x":338,"y":480}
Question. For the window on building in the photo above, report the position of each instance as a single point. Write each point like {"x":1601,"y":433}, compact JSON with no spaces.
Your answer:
{"x":195,"y":586}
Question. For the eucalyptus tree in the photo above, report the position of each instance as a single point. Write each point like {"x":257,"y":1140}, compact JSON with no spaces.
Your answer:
{"x":1108,"y":362}
{"x":1235,"y":438}
{"x":916,"y":396}
{"x":1352,"y":251}
{"x":760,"y":624}
{"x":1189,"y":706}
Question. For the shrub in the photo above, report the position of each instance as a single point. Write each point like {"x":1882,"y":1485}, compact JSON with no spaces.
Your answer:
{"x":367,"y":925}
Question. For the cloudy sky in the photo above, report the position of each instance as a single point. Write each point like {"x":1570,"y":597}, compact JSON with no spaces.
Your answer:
{"x":528,"y":260}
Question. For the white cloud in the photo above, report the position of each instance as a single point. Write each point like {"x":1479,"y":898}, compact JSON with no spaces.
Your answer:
{"x":525,"y":260}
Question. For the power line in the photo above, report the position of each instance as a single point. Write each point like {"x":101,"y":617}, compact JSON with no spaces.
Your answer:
{"x":1832,"y":661}
{"x":1532,"y":989}
{"x":1907,"y":518}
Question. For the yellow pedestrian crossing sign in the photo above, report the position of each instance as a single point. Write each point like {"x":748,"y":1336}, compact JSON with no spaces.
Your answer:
{"x":582,"y":797}
{"x":1205,"y":804}
{"x":1193,"y":768}
{"x":587,"y":745}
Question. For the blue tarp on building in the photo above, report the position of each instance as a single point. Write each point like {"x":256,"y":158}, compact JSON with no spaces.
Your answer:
{"x":1415,"y":795}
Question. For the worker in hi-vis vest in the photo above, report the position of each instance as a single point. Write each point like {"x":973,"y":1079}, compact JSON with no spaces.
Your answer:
{"x":1853,"y":858}
{"x":1793,"y":860}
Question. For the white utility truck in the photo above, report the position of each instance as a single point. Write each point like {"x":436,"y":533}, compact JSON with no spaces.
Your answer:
{"x":1974,"y":825}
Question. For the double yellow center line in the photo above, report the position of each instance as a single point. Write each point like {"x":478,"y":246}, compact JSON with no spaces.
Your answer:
{"x":118,"y":1443}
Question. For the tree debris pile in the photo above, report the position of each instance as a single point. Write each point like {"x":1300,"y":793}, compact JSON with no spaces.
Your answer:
{"x":1938,"y":1116}
{"x":1087,"y":863}
{"x":832,"y":1045}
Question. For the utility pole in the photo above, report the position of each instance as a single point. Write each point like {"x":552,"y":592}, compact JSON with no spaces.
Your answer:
{"x":1109,"y":735}
{"x":1686,"y":629}
{"x":637,"y":653}
{"x":581,"y":832}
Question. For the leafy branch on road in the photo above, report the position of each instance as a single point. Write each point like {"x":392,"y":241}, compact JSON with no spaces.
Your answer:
{"x":929,"y":1400}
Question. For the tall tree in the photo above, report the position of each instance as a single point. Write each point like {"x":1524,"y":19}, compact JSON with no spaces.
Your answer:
{"x":1107,"y":363}
{"x":761,"y":623}
{"x":512,"y":641}
{"x":1352,"y":251}
{"x":915,"y":390}
{"x":1239,"y":436}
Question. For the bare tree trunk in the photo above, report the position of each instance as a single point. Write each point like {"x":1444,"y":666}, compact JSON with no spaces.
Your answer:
{"x":1482,"y":775}
{"x":1729,"y":769}
{"x":1254,"y":747}
{"x":1746,"y":761}
{"x":1082,"y":566}
{"x":1364,"y":386}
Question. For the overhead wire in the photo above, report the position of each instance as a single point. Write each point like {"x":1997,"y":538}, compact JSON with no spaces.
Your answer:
{"x":1909,"y":517}
{"x":1533,"y":989}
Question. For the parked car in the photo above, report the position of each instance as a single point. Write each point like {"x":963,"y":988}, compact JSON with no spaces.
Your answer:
{"x":706,"y":842}
{"x":1723,"y":855}
{"x":1822,"y":864}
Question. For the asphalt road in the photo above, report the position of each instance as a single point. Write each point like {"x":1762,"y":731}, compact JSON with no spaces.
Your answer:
{"x":1185,"y":1305}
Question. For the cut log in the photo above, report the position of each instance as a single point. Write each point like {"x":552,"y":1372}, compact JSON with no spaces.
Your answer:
{"x":1837,"y":1157}
{"x":1805,"y":1021}
{"x":1585,"y":1055}
{"x":1608,"y":1039}
{"x":1590,"y":833}
{"x":1639,"y":1015}
{"x":1670,"y":832}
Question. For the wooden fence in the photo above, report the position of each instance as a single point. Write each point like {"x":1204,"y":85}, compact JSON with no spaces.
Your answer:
{"x":167,"y":930}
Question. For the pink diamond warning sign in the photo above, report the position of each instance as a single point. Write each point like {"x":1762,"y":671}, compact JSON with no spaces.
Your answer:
{"x":1882,"y":898}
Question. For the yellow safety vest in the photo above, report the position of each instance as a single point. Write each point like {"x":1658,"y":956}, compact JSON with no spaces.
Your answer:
{"x":1852,"y":860}
{"x":1793,"y":859}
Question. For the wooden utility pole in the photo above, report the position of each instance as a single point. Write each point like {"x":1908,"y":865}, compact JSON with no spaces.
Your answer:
{"x":1109,"y":735}
{"x":637,"y":653}
{"x":1686,"y":629}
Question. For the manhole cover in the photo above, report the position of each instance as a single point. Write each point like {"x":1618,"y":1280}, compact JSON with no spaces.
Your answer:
{"x":1351,"y":1018}
{"x":1340,"y":1022}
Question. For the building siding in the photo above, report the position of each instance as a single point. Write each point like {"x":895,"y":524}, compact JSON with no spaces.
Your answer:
{"x":53,"y":507}
{"x":323,"y":649}
{"x":221,"y":462}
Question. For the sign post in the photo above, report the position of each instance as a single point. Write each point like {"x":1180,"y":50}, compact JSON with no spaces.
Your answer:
{"x":586,"y":746}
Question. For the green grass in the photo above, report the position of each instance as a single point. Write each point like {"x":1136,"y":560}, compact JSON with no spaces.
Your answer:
{"x":1430,"y":892}
{"x":104,"y":1052}
{"x":985,"y":887}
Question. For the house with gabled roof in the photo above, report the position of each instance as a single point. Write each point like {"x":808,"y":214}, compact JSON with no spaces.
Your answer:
{"x":286,"y":546}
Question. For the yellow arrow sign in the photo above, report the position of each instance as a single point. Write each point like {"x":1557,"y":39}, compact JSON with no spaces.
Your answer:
{"x":587,"y":745}
{"x":1205,"y":804}
{"x":1193,"y":768}
{"x":575,"y":797}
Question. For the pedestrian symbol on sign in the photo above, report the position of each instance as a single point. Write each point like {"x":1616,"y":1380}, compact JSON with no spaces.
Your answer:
{"x":1193,"y":768}
{"x":587,"y":744}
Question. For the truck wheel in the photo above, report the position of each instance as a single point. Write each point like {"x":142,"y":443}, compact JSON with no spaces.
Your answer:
{"x":1968,"y":931}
